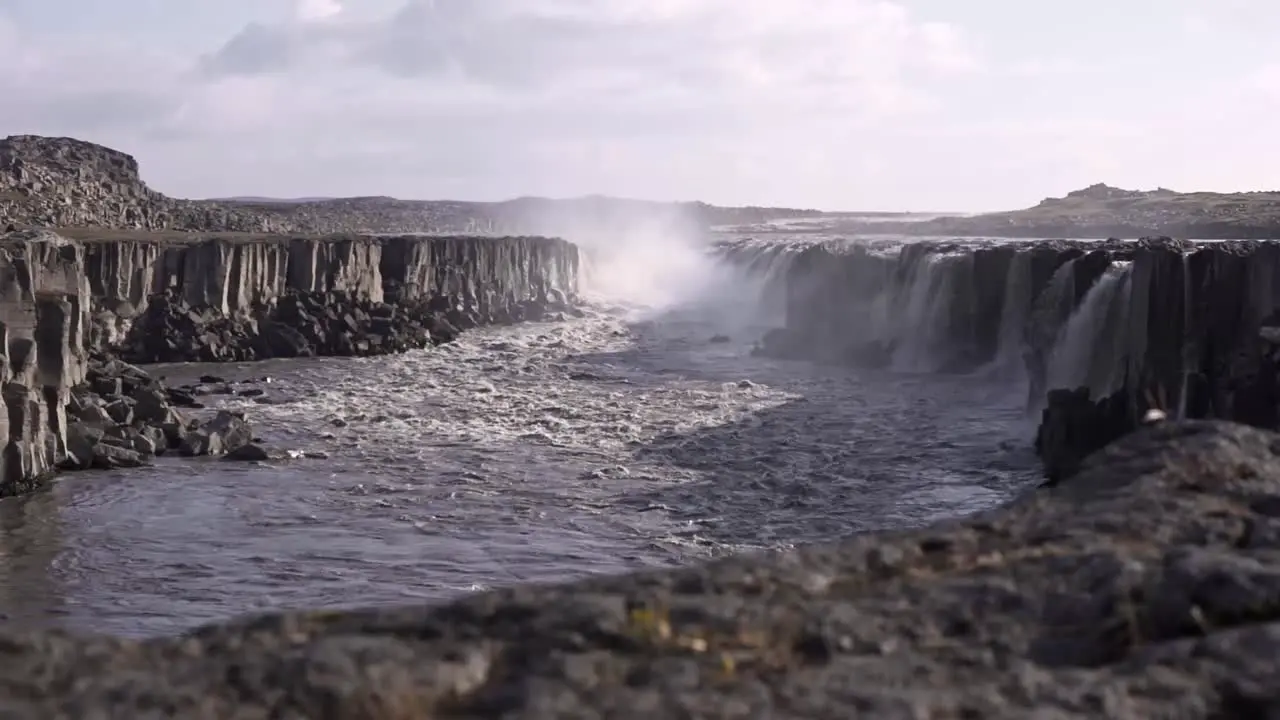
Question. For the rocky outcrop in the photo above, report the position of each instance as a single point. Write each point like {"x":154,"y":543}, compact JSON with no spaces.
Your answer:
{"x":65,"y":407}
{"x":58,"y":182}
{"x":1142,"y":588}
{"x":1100,"y":332}
{"x":73,"y":310}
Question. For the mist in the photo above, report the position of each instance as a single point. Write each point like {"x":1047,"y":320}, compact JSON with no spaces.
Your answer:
{"x":650,"y":264}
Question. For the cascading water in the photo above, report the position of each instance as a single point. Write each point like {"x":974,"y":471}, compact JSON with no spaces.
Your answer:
{"x":1188,"y":347}
{"x":923,"y":330}
{"x":1016,"y":306}
{"x":1090,"y":348}
{"x":759,"y":272}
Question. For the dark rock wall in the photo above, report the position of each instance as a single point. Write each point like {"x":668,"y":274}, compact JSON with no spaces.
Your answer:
{"x":44,"y":313}
{"x":65,"y":302}
{"x":1200,"y":337}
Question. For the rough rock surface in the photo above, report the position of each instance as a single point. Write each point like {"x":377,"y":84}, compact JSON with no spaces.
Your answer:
{"x":58,"y":182}
{"x":1147,"y":586}
{"x":172,"y":298}
{"x":44,"y":301}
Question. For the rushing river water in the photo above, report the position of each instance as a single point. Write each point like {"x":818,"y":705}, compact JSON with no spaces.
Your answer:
{"x":619,"y":440}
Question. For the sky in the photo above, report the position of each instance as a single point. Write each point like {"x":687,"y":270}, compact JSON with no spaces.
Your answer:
{"x":834,"y":104}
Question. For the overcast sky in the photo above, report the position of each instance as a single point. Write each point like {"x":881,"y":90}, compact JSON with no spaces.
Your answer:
{"x":838,"y":104}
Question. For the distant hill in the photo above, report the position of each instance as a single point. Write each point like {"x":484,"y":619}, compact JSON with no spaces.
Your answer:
{"x":1101,"y":210}
{"x":65,"y":182}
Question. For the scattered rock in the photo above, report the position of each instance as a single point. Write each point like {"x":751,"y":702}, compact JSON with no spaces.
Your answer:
{"x":251,"y":452}
{"x":226,"y":432}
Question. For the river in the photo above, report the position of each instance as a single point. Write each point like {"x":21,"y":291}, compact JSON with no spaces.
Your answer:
{"x":639,"y":435}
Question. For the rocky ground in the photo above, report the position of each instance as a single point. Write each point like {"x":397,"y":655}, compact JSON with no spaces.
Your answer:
{"x":121,"y":416}
{"x":57,"y":182}
{"x":1147,"y":586}
{"x":307,"y":324}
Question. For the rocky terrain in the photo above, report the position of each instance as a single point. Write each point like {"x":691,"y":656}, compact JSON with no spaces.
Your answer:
{"x":1101,"y":211}
{"x":78,"y":307}
{"x":1143,"y":587}
{"x":64,"y":182}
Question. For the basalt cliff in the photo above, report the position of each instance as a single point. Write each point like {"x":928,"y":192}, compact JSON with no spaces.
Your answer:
{"x":114,"y":275}
{"x":78,"y":309}
{"x":1100,"y":333}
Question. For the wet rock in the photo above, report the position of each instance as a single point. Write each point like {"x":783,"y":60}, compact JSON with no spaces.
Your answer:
{"x":107,"y":456}
{"x":251,"y":452}
{"x":1073,"y":427}
{"x":82,"y":439}
{"x":226,"y":432}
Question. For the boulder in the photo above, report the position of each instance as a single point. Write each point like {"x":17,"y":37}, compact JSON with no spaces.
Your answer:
{"x":226,"y":432}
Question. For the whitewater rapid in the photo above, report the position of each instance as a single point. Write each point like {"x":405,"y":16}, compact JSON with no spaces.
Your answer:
{"x":634,"y":436}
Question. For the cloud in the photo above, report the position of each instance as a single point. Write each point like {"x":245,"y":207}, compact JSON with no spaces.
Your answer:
{"x":846,"y":103}
{"x":565,"y":93}
{"x":723,"y":47}
{"x":315,"y":10}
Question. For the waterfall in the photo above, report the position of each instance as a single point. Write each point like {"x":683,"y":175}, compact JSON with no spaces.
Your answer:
{"x":759,"y":273}
{"x":922,"y":332}
{"x":1015,"y":308}
{"x":1188,"y":346}
{"x":1090,"y":347}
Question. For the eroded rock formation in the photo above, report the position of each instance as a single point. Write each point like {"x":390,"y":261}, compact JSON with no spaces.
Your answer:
{"x":72,"y":310}
{"x":187,"y":298}
{"x":1100,"y":332}
{"x":1144,"y":587}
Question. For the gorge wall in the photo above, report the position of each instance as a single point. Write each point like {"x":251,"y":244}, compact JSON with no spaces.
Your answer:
{"x":70,"y":305}
{"x":1099,"y":332}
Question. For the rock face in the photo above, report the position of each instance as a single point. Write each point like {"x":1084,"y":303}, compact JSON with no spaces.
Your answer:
{"x":1144,"y":587}
{"x":44,"y":303}
{"x":187,"y":298}
{"x":71,"y":310}
{"x":1100,"y":332}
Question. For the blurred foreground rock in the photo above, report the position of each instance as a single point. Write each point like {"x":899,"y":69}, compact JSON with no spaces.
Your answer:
{"x":1145,"y":586}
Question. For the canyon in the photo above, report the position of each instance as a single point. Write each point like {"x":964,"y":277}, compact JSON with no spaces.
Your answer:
{"x":1138,"y":581}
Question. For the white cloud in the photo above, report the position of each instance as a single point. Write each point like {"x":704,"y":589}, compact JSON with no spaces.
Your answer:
{"x":813,"y":102}
{"x":315,"y":10}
